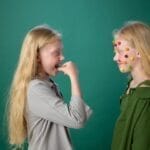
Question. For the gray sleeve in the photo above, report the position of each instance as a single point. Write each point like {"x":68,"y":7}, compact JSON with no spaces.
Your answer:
{"x":43,"y":102}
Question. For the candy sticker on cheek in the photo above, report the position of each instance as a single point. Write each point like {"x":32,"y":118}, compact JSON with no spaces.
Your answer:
{"x":127,"y":49}
{"x":126,"y":69}
{"x":132,"y":58}
{"x":129,"y":57}
{"x":126,"y":56}
{"x":123,"y":45}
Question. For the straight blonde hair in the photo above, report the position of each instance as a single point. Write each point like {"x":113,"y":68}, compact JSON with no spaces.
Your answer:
{"x":26,"y":70}
{"x":138,"y":35}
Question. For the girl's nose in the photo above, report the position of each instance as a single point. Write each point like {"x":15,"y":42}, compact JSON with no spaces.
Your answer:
{"x":115,"y":58}
{"x":62,"y":57}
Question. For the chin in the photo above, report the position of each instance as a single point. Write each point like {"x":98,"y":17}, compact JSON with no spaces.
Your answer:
{"x":125,"y":70}
{"x":54,"y":73}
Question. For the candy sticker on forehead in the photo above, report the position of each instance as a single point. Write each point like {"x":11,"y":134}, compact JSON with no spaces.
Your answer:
{"x":121,"y":44}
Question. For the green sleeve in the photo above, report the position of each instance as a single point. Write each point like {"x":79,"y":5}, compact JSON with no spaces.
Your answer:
{"x":141,"y":137}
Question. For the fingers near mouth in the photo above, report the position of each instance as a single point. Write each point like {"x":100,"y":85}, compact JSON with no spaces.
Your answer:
{"x":58,"y":65}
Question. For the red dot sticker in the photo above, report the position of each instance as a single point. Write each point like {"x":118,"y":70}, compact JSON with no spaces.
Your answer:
{"x":119,"y":43}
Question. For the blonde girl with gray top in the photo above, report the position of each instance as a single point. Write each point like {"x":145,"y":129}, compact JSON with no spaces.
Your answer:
{"x":37,"y":111}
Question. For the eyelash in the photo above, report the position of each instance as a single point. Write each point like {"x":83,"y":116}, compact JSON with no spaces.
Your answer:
{"x":57,"y":54}
{"x":119,"y":52}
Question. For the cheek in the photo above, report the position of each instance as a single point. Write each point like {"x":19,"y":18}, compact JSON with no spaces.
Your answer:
{"x":126,"y":55}
{"x":130,"y":57}
{"x":45,"y":61}
{"x":123,"y":57}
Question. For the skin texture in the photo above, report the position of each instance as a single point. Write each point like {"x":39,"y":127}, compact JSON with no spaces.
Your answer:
{"x":50,"y":63}
{"x":125,"y":56}
{"x":129,"y":61}
{"x":50,"y":57}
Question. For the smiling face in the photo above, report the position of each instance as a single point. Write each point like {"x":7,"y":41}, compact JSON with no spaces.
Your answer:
{"x":50,"y":57}
{"x":125,"y":56}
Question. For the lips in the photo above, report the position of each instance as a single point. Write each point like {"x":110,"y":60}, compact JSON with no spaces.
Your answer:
{"x":122,"y":63}
{"x":57,"y":65}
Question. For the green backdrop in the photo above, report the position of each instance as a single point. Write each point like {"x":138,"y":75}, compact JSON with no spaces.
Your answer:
{"x":87,"y":27}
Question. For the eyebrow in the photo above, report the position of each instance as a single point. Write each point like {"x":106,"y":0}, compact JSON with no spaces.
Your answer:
{"x":117,"y":50}
{"x":57,"y":50}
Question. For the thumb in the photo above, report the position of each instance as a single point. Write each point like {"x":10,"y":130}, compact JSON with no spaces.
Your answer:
{"x":61,"y":69}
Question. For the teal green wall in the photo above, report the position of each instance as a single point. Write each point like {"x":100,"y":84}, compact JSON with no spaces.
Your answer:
{"x":86,"y":26}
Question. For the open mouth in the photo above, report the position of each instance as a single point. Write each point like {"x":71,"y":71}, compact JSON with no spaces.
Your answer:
{"x":57,"y":65}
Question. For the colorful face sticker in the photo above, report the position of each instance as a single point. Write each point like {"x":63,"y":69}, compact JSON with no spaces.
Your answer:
{"x":124,"y":55}
{"x":126,"y":69}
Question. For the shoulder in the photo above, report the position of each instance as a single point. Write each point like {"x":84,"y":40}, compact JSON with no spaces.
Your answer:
{"x":143,"y":92}
{"x":35,"y":82}
{"x":38,"y":84}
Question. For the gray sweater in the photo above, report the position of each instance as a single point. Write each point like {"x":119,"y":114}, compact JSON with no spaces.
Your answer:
{"x":49,"y":117}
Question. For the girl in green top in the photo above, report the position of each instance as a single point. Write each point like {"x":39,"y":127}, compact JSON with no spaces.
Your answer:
{"x":132,"y":54}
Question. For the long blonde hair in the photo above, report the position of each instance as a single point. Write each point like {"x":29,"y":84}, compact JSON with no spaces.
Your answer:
{"x":138,"y":35}
{"x":25,"y":71}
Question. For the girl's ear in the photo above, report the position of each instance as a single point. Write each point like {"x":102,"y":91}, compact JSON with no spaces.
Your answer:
{"x":138,"y":55}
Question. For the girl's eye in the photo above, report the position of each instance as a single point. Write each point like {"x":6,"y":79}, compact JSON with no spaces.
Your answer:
{"x":119,"y":51}
{"x":56,"y":53}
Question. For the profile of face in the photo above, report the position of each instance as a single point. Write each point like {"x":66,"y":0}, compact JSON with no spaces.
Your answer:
{"x":50,"y":58}
{"x":126,"y":56}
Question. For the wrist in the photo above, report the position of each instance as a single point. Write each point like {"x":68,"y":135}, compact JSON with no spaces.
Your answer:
{"x":73,"y":77}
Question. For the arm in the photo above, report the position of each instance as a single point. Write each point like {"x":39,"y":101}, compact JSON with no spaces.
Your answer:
{"x":70,"y":69}
{"x":43,"y":102}
{"x":141,"y":138}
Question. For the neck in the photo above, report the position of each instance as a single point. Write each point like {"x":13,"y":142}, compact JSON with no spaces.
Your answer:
{"x":138,"y":75}
{"x":43,"y":76}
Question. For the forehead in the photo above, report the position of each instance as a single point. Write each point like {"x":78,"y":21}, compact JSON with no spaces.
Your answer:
{"x":121,"y":44}
{"x":53,"y":46}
